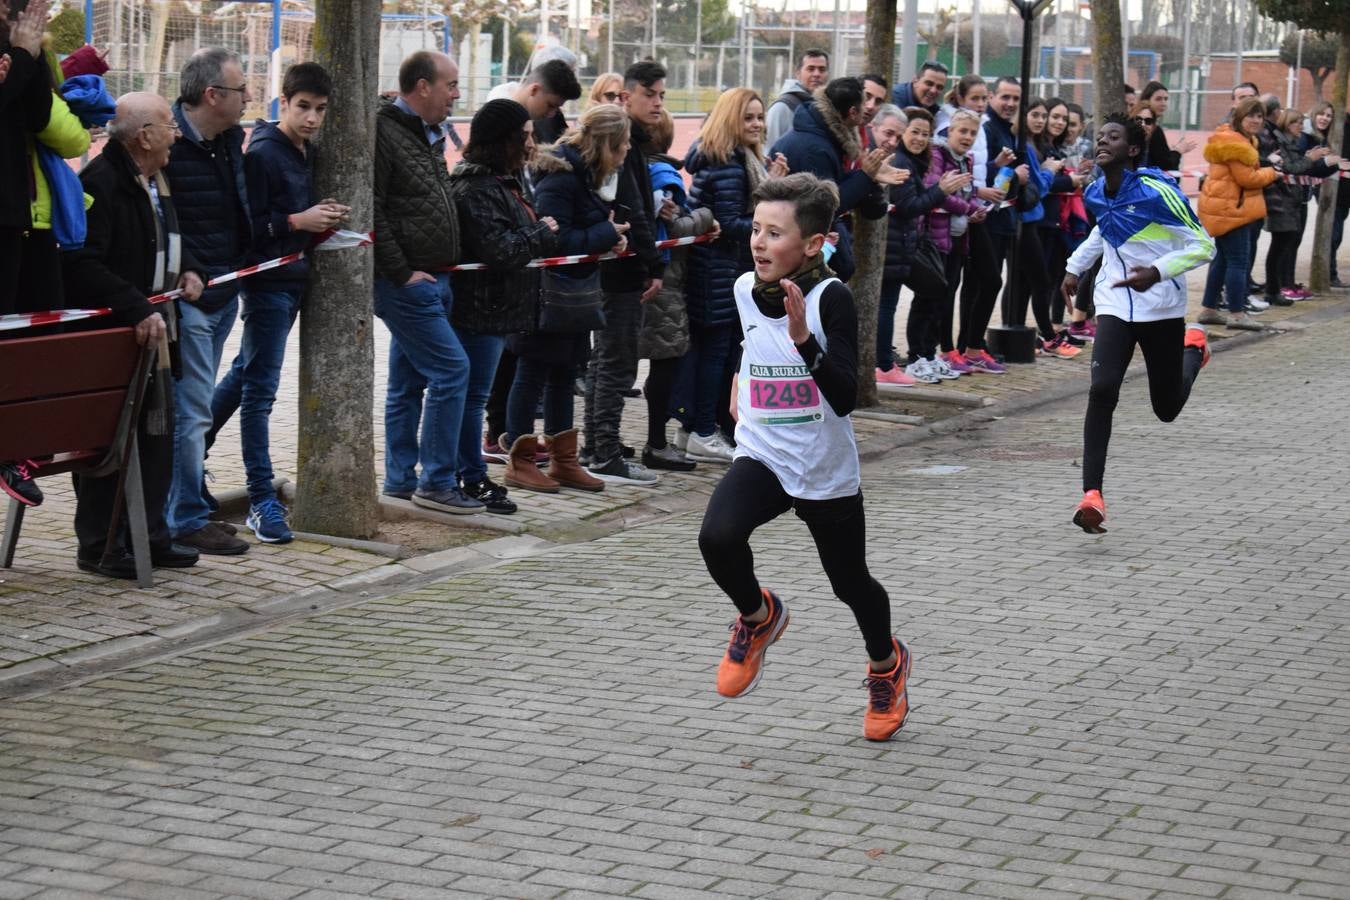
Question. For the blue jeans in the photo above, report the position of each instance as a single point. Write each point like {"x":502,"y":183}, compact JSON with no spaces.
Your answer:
{"x":426,"y":361}
{"x":700,"y":382}
{"x":890,"y":299}
{"x":1228,"y":271}
{"x":250,"y":385}
{"x":201,"y":343}
{"x":554,"y":382}
{"x":484,"y":351}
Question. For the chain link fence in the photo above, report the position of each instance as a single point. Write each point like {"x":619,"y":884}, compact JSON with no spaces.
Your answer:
{"x":1199,"y":48}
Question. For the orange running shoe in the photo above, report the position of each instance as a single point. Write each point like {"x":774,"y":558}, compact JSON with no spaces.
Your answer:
{"x":887,"y":697}
{"x":1196,"y":337}
{"x":1091,"y":513}
{"x":743,"y":663}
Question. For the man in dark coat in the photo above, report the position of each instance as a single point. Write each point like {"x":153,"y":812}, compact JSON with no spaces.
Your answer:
{"x":824,"y":141}
{"x":132,"y":250}
{"x":206,"y":174}
{"x":416,"y":238}
{"x":925,"y":91}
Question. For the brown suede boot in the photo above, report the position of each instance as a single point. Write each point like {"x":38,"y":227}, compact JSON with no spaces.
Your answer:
{"x":563,"y":466}
{"x":521,"y":470}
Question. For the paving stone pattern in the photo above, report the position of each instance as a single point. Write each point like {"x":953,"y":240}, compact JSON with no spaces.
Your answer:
{"x":1157,"y":712}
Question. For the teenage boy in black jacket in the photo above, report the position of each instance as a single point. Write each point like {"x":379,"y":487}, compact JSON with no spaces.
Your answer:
{"x":627,"y":284}
{"x":279,"y":175}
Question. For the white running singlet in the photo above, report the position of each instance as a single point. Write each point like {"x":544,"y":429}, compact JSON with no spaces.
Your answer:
{"x":783,"y":421}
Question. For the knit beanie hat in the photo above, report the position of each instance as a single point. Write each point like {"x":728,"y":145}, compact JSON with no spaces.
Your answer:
{"x":495,"y":120}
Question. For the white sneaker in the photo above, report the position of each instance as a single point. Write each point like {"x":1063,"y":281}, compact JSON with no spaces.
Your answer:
{"x":941,"y":369}
{"x":709,"y":449}
{"x":921,"y":370}
{"x":681,"y":439}
{"x":1258,"y":304}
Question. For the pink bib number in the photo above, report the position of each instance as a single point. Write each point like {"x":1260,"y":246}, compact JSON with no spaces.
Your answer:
{"x":784,"y":395}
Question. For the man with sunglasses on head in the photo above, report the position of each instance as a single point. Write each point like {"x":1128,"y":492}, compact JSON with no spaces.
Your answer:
{"x":206,"y":177}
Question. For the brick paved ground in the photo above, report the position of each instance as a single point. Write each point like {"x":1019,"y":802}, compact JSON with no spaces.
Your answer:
{"x":1158,"y":712}
{"x":48,"y":609}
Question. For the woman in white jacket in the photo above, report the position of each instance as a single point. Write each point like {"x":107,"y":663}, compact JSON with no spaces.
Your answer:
{"x":1147,"y":238}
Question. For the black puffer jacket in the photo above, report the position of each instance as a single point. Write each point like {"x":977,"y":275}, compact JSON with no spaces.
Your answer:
{"x":713,"y":268}
{"x":497,"y":227}
{"x":416,"y":228}
{"x":1283,"y":199}
{"x":207,"y":179}
{"x":912,"y":200}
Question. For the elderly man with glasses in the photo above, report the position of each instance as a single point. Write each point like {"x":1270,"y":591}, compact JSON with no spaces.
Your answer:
{"x":206,"y":175}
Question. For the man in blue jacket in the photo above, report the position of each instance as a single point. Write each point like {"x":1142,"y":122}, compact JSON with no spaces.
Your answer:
{"x":824,"y":141}
{"x":925,"y":91}
{"x":279,"y":173}
{"x":206,"y":176}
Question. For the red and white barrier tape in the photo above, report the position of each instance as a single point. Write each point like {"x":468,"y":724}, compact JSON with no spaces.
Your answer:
{"x":584,"y":257}
{"x":330,"y":240}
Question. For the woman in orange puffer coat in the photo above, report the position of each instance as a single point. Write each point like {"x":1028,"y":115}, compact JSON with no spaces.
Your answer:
{"x":1230,"y":200}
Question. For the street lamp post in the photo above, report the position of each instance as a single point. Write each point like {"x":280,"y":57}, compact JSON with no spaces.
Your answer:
{"x":1013,"y":340}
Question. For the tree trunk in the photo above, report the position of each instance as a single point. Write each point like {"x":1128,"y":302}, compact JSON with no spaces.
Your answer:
{"x":869,"y":236}
{"x":1108,"y":71}
{"x":336,"y":476}
{"x":1319,"y":278}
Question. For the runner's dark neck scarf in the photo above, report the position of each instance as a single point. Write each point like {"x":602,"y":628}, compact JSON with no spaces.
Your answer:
{"x":768,"y":295}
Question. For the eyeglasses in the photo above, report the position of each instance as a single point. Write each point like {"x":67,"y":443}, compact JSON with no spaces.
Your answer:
{"x":224,"y":87}
{"x":1145,"y":120}
{"x":611,"y":96}
{"x":170,"y":125}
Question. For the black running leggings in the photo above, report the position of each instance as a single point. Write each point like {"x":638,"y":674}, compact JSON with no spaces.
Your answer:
{"x":658,"y":389}
{"x":1171,"y":372}
{"x":749,"y":496}
{"x":979,"y":288}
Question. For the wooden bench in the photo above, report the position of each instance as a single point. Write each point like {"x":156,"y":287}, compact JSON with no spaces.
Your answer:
{"x":74,"y":401}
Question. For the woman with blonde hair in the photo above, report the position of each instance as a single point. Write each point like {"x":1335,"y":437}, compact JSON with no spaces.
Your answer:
{"x":575,"y":184}
{"x":726,"y":161}
{"x":608,"y":88}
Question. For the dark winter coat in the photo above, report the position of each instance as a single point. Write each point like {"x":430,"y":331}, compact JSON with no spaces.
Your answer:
{"x":636,"y":206}
{"x":1284,"y":200}
{"x":116,"y":266}
{"x":902,"y":95}
{"x":564,"y":189}
{"x":416,"y":227}
{"x":912,"y":200}
{"x":207,"y":179}
{"x":1159,"y":154}
{"x":723,"y":188}
{"x":280,"y":180}
{"x":821,"y":143}
{"x":498,"y":227}
{"x":25,"y":107}
{"x":665,"y":319}
{"x":998,"y":134}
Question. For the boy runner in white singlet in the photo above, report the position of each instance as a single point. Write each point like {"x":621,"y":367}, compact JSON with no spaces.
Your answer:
{"x":795,"y":447}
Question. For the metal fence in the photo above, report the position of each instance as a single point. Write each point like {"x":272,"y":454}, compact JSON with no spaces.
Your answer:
{"x":1199,"y":48}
